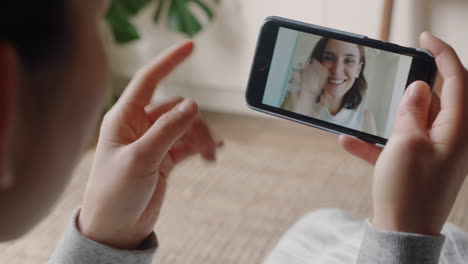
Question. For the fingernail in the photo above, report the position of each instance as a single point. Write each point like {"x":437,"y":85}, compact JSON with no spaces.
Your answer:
{"x":211,"y":159}
{"x":430,"y":34}
{"x":220,"y":144}
{"x":417,"y":90}
{"x":209,"y":153}
{"x":187,"y":106}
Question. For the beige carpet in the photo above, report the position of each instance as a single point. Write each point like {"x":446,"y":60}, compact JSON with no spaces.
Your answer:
{"x":269,"y":174}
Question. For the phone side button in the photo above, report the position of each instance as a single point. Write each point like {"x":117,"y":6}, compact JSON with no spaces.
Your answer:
{"x":354,"y":35}
{"x":374,"y":40}
{"x":261,"y":63}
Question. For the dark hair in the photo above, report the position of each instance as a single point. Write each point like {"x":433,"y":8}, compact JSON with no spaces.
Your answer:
{"x":352,"y":98}
{"x":35,"y":28}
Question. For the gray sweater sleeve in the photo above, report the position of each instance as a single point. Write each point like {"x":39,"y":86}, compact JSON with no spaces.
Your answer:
{"x":74,"y":248}
{"x":388,"y":247}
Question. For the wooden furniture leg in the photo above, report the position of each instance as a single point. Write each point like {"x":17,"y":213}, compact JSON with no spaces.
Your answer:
{"x":386,"y":22}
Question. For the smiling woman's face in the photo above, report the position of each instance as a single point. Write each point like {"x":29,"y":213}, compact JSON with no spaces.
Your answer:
{"x":343,"y":62}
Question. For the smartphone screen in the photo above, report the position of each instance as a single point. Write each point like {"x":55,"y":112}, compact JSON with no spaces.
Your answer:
{"x":333,"y":81}
{"x":368,"y":81}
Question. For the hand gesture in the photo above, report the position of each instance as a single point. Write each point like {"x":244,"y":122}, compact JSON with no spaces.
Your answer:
{"x":139,"y":145}
{"x":312,"y":80}
{"x":314,"y":76}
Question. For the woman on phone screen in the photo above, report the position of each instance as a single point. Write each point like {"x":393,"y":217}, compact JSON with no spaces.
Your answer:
{"x":331,"y":86}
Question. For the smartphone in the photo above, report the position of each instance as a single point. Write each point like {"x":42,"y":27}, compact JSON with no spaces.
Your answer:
{"x":333,"y":80}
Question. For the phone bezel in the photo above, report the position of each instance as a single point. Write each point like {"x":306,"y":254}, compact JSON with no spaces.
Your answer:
{"x":422,"y":68}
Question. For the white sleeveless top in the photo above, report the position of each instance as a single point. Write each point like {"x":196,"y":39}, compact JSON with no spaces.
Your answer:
{"x":345,"y":117}
{"x":353,"y":119}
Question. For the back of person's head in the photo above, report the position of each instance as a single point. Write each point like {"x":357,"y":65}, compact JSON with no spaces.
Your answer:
{"x":53,"y":78}
{"x":37,"y":29}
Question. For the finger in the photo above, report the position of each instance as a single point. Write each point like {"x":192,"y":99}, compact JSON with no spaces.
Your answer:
{"x":363,"y":150}
{"x":154,"y":205}
{"x":142,"y":86}
{"x":202,"y":139}
{"x":434,"y":109}
{"x":318,"y":66}
{"x":154,"y":111}
{"x":439,"y":81}
{"x":412,"y":116}
{"x":183,"y":149}
{"x":167,"y":129}
{"x":315,"y":62}
{"x":167,"y":165}
{"x":451,"y":70}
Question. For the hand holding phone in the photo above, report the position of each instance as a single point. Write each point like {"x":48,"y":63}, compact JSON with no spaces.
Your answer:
{"x":419,"y":173}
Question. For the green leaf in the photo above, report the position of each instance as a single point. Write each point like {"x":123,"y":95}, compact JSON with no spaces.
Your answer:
{"x":133,"y":6}
{"x":179,"y":18}
{"x":205,"y":8}
{"x":173,"y":19}
{"x":117,"y":9}
{"x":158,"y":12}
{"x":190,"y":24}
{"x":123,"y":30}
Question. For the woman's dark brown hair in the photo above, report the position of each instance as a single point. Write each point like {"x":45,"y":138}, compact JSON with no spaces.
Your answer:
{"x":353,"y":98}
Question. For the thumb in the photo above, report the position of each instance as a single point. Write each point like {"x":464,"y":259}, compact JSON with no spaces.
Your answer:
{"x":413,"y":112}
{"x":167,"y":129}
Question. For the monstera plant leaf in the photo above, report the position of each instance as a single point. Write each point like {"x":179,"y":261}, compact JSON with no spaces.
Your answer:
{"x":179,"y":16}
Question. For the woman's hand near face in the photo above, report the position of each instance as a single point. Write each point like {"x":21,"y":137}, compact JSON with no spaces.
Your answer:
{"x":418,"y":174}
{"x":139,"y":145}
{"x":313,"y":78}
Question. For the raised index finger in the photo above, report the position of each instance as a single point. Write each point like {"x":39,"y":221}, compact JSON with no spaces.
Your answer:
{"x":143,"y":84}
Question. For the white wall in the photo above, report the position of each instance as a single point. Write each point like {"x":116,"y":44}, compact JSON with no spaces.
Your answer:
{"x":279,"y":74}
{"x":216,"y":75}
{"x":447,"y":19}
{"x":380,"y":73}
